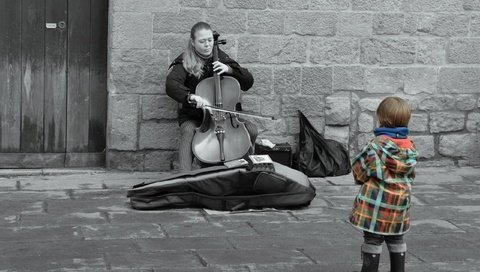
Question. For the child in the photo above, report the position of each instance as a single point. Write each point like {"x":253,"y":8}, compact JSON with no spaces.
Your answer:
{"x":385,"y":169}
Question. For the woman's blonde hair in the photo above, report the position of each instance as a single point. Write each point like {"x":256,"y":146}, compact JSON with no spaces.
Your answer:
{"x":393,"y":112}
{"x":192,"y":62}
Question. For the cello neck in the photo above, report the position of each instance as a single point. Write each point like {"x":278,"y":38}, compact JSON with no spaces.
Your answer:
{"x":218,"y":87}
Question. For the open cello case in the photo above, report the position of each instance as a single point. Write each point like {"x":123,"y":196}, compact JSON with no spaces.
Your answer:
{"x":252,"y":183}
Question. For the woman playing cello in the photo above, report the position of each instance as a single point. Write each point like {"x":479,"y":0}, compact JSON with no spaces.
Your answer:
{"x":186,"y":71}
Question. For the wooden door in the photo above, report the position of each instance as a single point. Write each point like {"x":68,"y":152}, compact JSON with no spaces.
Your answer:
{"x":53,"y":93}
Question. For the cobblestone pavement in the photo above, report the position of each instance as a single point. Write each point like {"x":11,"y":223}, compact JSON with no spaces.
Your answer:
{"x":71,"y":220}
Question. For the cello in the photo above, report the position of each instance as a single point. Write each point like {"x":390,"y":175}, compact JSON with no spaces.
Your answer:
{"x":221,"y":136}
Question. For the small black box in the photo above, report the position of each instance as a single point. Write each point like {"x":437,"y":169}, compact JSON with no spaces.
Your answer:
{"x":281,"y":153}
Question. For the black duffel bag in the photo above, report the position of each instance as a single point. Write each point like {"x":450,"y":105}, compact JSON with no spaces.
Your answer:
{"x":317,"y":156}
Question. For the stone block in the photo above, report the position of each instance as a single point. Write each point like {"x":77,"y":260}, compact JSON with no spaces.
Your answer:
{"x":180,"y":21}
{"x":288,"y":4}
{"x":458,"y":145}
{"x":465,"y":102}
{"x":335,"y":50}
{"x":420,"y":80}
{"x":144,"y":5}
{"x":131,"y":30}
{"x":437,"y":103}
{"x":329,"y":5}
{"x":475,"y":26}
{"x":337,"y":110}
{"x":388,"y":23}
{"x":376,"y":5}
{"x":123,"y":114}
{"x":365,"y":122}
{"x":272,"y":49}
{"x":369,"y":104}
{"x":158,"y":107}
{"x":245,"y":4}
{"x":355,"y":24}
{"x":431,"y":51}
{"x":338,"y":133}
{"x":159,"y":160}
{"x":271,"y":127}
{"x":311,"y":105}
{"x":175,"y":43}
{"x":471,"y":5}
{"x":348,"y":78}
{"x":418,"y":122}
{"x":311,"y":23}
{"x":120,"y":160}
{"x":425,"y":145}
{"x":459,"y":80}
{"x":138,"y":71}
{"x":432,"y":5}
{"x":384,"y":80}
{"x":226,"y":21}
{"x":164,"y":135}
{"x":194,"y":3}
{"x":464,"y":50}
{"x":363,"y":139}
{"x":443,"y":24}
{"x":473,"y":122}
{"x":293,"y":124}
{"x":287,"y":80}
{"x":263,"y":80}
{"x":265,"y":22}
{"x":251,"y":103}
{"x":446,"y":121}
{"x":316,"y":80}
{"x":388,"y":51}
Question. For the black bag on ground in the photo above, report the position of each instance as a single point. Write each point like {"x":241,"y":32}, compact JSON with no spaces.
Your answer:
{"x":320,"y":157}
{"x":226,"y":188}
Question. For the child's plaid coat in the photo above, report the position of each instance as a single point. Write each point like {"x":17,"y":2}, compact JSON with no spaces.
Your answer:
{"x":385,"y":168}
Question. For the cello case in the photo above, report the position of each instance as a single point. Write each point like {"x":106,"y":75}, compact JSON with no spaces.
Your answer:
{"x":238,"y":185}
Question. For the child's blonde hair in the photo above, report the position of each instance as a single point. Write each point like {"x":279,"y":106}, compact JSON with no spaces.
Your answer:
{"x":393,"y":112}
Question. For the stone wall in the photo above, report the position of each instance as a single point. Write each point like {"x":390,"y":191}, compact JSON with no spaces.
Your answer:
{"x":334,"y":60}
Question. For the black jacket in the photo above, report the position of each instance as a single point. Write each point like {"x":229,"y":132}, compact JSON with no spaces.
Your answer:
{"x":180,"y":84}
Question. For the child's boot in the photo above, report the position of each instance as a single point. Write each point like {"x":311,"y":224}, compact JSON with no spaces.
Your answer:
{"x":397,"y":257}
{"x":370,"y":257}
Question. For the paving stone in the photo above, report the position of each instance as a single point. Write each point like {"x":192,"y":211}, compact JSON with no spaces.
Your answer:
{"x":437,"y":226}
{"x":61,"y":207}
{"x":121,"y":231}
{"x":223,"y":229}
{"x":254,"y":216}
{"x":449,"y":198}
{"x":341,"y":180}
{"x":274,"y":242}
{"x":252,"y":256}
{"x":165,"y":216}
{"x":322,"y":213}
{"x":71,"y":219}
{"x":449,"y":248}
{"x":37,"y":233}
{"x":303,"y":228}
{"x":163,"y":260}
{"x":471,"y":226}
{"x":164,"y":244}
{"x":43,"y":183}
{"x":445,"y":212}
{"x":51,"y":261}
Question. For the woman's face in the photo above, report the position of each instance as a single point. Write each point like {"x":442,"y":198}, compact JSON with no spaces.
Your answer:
{"x":203,"y":41}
